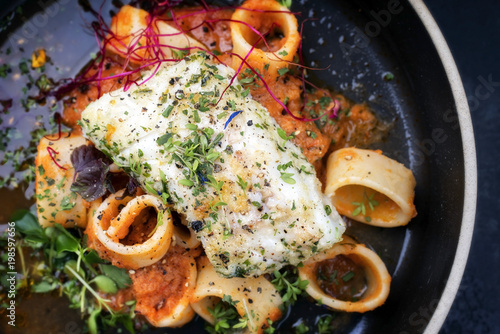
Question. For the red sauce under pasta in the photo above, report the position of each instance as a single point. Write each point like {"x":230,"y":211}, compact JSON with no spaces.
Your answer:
{"x":159,"y":287}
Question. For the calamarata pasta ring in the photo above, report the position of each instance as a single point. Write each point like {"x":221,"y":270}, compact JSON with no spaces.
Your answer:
{"x":242,"y":35}
{"x":377,"y":277}
{"x":371,"y":188}
{"x":255,"y":298}
{"x":110,"y":226}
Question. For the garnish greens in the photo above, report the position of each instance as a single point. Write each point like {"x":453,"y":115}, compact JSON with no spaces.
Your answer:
{"x":283,"y":135}
{"x":286,"y":3}
{"x":196,"y":154}
{"x":4,"y":70}
{"x":242,"y":183}
{"x":283,"y":70}
{"x":332,"y":278}
{"x":301,"y":328}
{"x":388,"y":76}
{"x":249,"y":77}
{"x":91,"y":168}
{"x":270,"y":329}
{"x":74,"y":270}
{"x":289,"y":284}
{"x":361,"y":208}
{"x":227,"y":319}
{"x":324,"y":324}
{"x":348,"y":276}
{"x":179,"y":54}
{"x":287,"y":177}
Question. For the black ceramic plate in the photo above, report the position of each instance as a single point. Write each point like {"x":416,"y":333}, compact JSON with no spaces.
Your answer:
{"x":360,"y":41}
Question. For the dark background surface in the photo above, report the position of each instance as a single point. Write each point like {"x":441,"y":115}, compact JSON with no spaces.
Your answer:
{"x":472,"y":30}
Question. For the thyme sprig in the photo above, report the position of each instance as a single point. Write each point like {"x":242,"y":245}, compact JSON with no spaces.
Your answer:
{"x":325,"y":324}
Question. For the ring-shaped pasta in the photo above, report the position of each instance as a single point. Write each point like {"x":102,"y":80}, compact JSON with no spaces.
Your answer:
{"x":377,"y":277}
{"x":243,"y":37}
{"x":255,"y":298}
{"x":371,"y":188}
{"x":109,"y":226}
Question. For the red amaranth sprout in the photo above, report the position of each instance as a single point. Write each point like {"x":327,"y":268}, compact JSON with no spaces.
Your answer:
{"x":332,"y":111}
{"x":52,"y":154}
{"x":238,"y":71}
{"x":304,"y":119}
{"x":154,"y":55}
{"x":57,"y":119}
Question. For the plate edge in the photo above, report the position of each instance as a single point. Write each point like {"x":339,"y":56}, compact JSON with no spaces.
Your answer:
{"x":470,"y":168}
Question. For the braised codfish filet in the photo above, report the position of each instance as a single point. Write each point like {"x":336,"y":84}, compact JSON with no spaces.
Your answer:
{"x":247,"y":191}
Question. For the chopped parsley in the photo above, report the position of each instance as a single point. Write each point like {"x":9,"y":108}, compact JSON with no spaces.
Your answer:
{"x":283,"y":70}
{"x":287,"y":177}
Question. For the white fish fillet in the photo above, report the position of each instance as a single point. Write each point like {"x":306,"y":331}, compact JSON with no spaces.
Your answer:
{"x":270,"y":210}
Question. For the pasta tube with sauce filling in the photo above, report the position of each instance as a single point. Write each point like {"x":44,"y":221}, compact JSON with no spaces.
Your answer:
{"x":244,"y":38}
{"x":372,"y":268}
{"x":111,"y":235}
{"x":371,"y":188}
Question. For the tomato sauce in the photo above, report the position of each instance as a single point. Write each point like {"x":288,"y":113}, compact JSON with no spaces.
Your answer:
{"x":159,"y":287}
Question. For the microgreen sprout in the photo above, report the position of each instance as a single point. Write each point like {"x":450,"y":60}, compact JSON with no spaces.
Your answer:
{"x":289,"y":285}
{"x":227,"y":319}
{"x":197,"y":154}
{"x":324,"y":324}
{"x":361,"y":207}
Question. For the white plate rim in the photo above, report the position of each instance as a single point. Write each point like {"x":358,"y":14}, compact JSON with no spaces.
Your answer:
{"x":470,"y":168}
